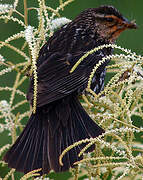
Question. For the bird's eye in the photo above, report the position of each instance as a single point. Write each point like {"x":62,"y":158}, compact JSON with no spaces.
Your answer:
{"x":109,"y":19}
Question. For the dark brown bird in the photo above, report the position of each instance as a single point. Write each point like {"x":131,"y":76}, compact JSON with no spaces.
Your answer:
{"x":60,"y":120}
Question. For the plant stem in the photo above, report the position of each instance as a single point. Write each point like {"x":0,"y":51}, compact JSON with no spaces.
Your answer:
{"x":25,"y":12}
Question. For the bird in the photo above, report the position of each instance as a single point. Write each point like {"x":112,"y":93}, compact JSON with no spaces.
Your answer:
{"x":60,"y":120}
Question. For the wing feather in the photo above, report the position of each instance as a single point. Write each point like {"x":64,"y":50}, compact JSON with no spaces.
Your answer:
{"x":55,"y":81}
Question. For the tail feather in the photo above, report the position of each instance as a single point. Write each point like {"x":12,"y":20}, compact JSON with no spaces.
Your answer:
{"x":16,"y":155}
{"x":66,"y":159}
{"x":36,"y":157}
{"x":27,"y":154}
{"x":73,"y":153}
{"x":54,"y":146}
{"x":45,"y":160}
{"x":47,"y":133}
{"x":90,"y":128}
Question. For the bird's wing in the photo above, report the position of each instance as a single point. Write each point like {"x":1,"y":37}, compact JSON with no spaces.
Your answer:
{"x":55,"y":62}
{"x":55,"y":80}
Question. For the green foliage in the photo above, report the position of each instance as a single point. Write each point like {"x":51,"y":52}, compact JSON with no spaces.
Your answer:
{"x":118,"y":152}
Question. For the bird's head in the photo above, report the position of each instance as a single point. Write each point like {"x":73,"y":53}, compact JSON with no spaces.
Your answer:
{"x":106,"y":21}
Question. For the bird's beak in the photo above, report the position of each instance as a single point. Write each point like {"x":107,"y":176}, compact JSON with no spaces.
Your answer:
{"x":129,"y":24}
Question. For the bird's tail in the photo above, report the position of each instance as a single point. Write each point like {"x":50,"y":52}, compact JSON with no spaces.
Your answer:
{"x":48,"y":133}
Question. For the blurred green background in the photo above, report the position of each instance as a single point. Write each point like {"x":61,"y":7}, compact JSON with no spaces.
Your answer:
{"x":131,"y":39}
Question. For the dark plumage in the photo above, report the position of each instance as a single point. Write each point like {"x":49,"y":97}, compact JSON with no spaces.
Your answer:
{"x":60,"y":120}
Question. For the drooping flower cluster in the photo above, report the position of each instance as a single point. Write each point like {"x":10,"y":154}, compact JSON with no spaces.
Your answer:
{"x":4,"y":8}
